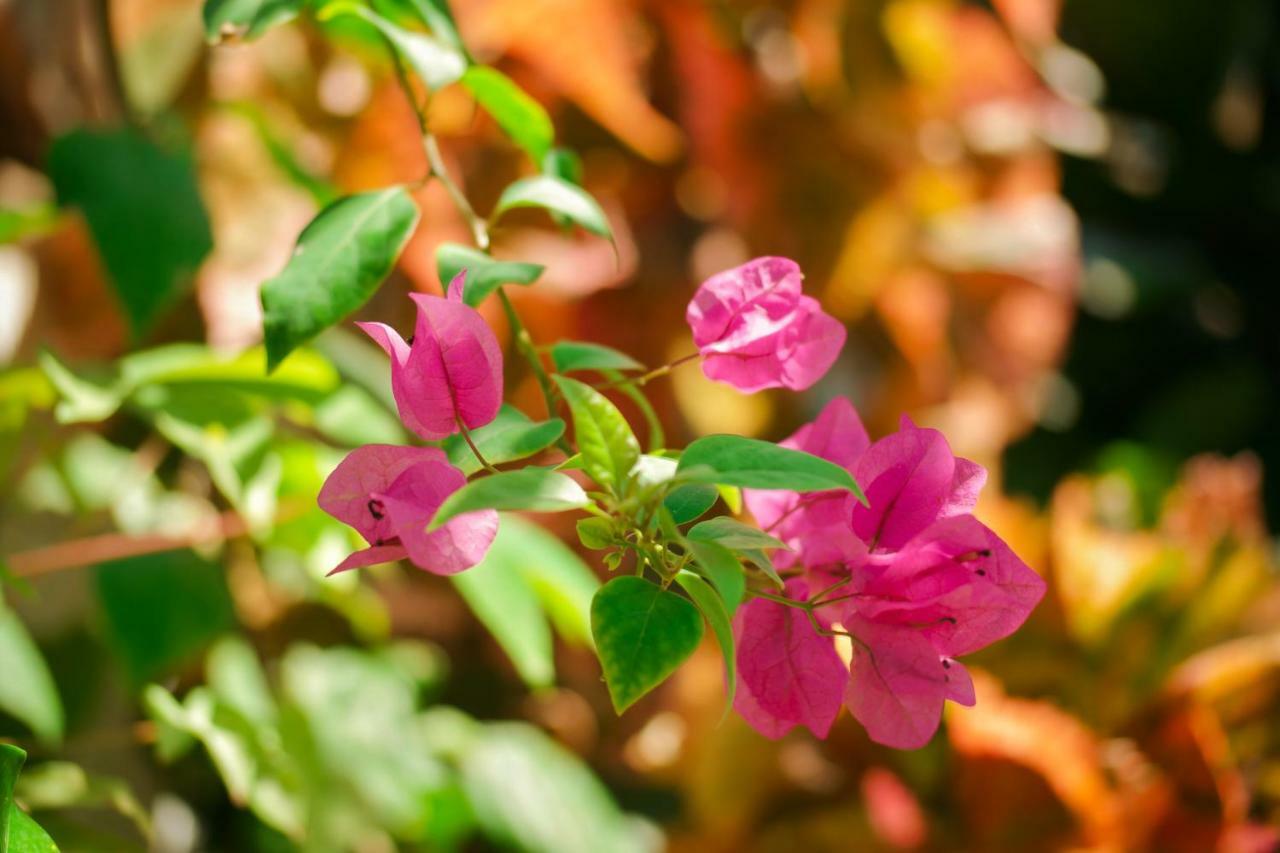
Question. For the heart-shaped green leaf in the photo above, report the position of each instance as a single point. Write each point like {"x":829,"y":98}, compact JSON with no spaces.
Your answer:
{"x":341,"y":258}
{"x":642,"y":632}
{"x":732,"y":460}
{"x":508,"y":437}
{"x":609,"y":448}
{"x":484,"y":274}
{"x":558,"y":196}
{"x":535,"y":489}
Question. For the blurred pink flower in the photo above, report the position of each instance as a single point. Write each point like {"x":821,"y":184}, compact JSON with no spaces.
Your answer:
{"x":913,"y":578}
{"x":451,"y":371}
{"x":389,"y":495}
{"x":756,"y":330}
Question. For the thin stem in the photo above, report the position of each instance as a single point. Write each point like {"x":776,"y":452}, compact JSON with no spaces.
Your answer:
{"x":779,"y":599}
{"x":466,"y":436}
{"x":644,"y":378}
{"x":524,"y":343}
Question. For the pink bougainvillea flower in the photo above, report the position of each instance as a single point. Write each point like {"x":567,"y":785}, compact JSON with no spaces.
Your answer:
{"x":953,"y":589}
{"x":912,"y":578}
{"x":756,"y":330}
{"x":911,"y":478}
{"x":837,"y":435}
{"x":451,"y":371}
{"x":389,"y":494}
{"x":789,"y":674}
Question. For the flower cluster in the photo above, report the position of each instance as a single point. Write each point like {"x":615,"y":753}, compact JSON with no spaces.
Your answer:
{"x":882,"y":594}
{"x":449,"y":379}
{"x":910,"y":580}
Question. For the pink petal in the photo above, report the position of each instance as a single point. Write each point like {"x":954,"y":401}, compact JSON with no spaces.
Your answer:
{"x":966,"y":484}
{"x":454,"y":292}
{"x":907,"y":478}
{"x":461,"y":362}
{"x":746,"y":302}
{"x":365,"y":472}
{"x":960,"y":580}
{"x":791,"y":674}
{"x":811,"y":344}
{"x":898,"y":683}
{"x":837,"y":434}
{"x":407,"y":385}
{"x":374,"y":556}
{"x":411,"y":502}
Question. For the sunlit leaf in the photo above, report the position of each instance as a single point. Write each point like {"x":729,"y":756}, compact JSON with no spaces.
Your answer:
{"x":558,"y":196}
{"x":436,"y":62}
{"x":508,"y":437}
{"x":562,"y":581}
{"x":341,"y":258}
{"x":642,"y":632}
{"x":733,"y":460}
{"x":534,"y":489}
{"x":609,"y":448}
{"x":520,"y":116}
{"x":732,"y":534}
{"x":484,"y":274}
{"x":572,"y":356}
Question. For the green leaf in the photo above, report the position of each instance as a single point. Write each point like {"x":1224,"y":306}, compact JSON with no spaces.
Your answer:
{"x":521,"y":117}
{"x":484,"y":274}
{"x":609,"y":448}
{"x":436,"y":62}
{"x":162,"y":610}
{"x":27,"y":836}
{"x":341,"y":258}
{"x":596,"y":533}
{"x":235,"y":676}
{"x":558,"y":196}
{"x":535,"y":489}
{"x":436,"y":15}
{"x":563,"y":582}
{"x":718,"y":618}
{"x":563,"y":163}
{"x":723,"y":569}
{"x":11,"y":760}
{"x":508,"y":437}
{"x":643,"y":632}
{"x":572,"y":356}
{"x":732,"y":534}
{"x":531,"y":794}
{"x":143,"y":207}
{"x":246,"y":18}
{"x":732,"y":460}
{"x":497,"y":593}
{"x":688,"y":502}
{"x":27,"y":689}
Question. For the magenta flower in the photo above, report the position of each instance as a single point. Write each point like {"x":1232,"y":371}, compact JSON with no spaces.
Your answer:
{"x":389,"y":494}
{"x":452,"y":369}
{"x":756,"y":330}
{"x":837,"y":435}
{"x":912,"y":579}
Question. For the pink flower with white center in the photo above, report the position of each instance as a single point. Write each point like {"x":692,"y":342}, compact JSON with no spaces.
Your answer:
{"x":389,"y":494}
{"x":756,"y":330}
{"x":451,"y":373}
